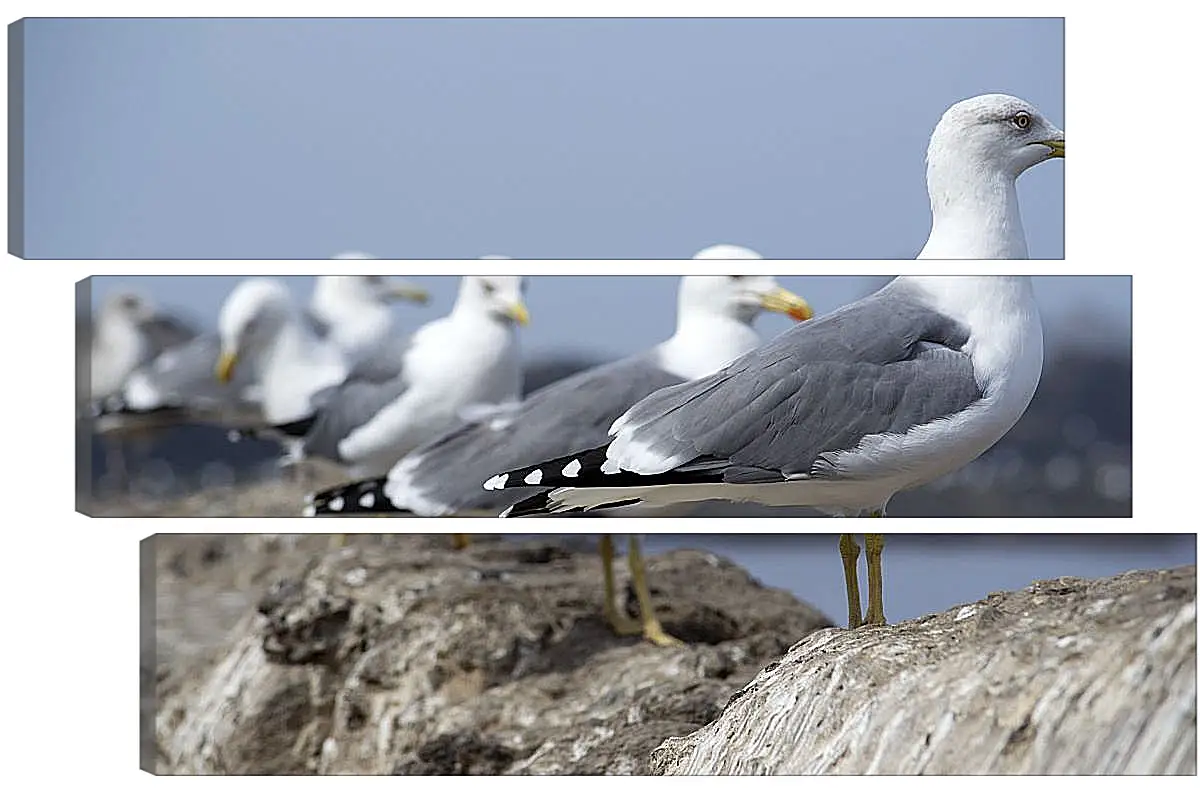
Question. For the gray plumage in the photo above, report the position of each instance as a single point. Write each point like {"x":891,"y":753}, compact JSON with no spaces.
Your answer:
{"x":571,"y":414}
{"x":181,"y":379}
{"x":815,"y":389}
{"x":885,"y":364}
{"x":372,"y":384}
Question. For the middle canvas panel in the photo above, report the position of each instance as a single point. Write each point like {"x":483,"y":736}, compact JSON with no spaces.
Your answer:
{"x":702,"y":395}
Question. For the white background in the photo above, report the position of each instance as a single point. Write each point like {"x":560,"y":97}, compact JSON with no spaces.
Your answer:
{"x":72,"y":599}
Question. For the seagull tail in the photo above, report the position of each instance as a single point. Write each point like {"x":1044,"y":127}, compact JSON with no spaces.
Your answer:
{"x":534,"y":506}
{"x":361,"y":497}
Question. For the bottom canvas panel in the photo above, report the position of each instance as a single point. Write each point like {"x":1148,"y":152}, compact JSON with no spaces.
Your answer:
{"x":668,"y":654}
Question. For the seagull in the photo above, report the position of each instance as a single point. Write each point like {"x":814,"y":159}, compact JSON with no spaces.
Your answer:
{"x":726,"y":252}
{"x":455,"y":456}
{"x":882,"y":395}
{"x":127,"y":331}
{"x":352,"y":312}
{"x":409,"y":391}
{"x":262,"y":331}
{"x":714,"y":325}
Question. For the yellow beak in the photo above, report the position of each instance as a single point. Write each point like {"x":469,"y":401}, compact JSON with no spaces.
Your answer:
{"x":781,"y":301}
{"x":402,"y":290}
{"x":1058,"y":147}
{"x":518,"y":313}
{"x":225,"y":365}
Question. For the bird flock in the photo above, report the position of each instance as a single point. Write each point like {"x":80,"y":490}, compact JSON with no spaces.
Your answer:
{"x":838,"y":413}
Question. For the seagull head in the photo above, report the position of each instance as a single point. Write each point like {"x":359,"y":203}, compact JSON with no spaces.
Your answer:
{"x":127,"y":306}
{"x":501,"y":297}
{"x":357,"y":291}
{"x":726,"y":251}
{"x":251,"y":316}
{"x":995,"y":133}
{"x":741,"y":297}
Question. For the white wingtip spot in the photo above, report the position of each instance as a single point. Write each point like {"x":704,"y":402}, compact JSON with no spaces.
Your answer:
{"x":609,"y":467}
{"x":534,"y":478}
{"x":504,"y":513}
{"x":367,"y":500}
{"x":309,"y":511}
{"x":496,"y":482}
{"x":337,"y":504}
{"x":572,"y":469}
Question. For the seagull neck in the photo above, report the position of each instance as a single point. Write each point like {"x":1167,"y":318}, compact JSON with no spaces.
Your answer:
{"x":355,"y":326}
{"x":704,"y":342}
{"x":1000,"y":312}
{"x":975,"y":213}
{"x":471,"y":315}
{"x":116,"y":329}
{"x":294,"y":366}
{"x":291,"y":344}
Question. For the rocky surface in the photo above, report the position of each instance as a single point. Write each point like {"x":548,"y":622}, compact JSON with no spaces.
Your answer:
{"x":403,"y":656}
{"x":1069,"y":676}
{"x":399,"y":655}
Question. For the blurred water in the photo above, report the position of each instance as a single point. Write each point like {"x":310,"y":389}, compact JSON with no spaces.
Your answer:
{"x":929,"y":573}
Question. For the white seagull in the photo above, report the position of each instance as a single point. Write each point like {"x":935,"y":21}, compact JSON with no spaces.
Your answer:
{"x":410,"y":391}
{"x":841,"y":412}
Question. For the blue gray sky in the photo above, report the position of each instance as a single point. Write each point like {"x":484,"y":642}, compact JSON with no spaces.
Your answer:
{"x":534,"y":138}
{"x":928,"y":573}
{"x":609,"y":316}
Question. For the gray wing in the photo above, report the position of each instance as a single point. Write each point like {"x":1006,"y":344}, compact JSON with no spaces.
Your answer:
{"x":882,"y":365}
{"x":383,"y":366}
{"x":571,"y":414}
{"x":166,"y":331}
{"x":383,"y":363}
{"x":184,"y":376}
{"x":316,"y":323}
{"x":179,"y":386}
{"x":373,"y":384}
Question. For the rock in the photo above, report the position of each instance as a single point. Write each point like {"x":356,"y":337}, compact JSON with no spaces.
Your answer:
{"x":1068,"y":676}
{"x":402,"y":656}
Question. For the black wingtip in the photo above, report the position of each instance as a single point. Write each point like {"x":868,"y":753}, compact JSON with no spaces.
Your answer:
{"x":297,"y":429}
{"x":363,"y":497}
{"x":534,"y":506}
{"x":557,"y":472}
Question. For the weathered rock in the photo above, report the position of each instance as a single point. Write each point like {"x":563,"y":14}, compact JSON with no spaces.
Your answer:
{"x":406,"y":657}
{"x":1069,"y":676}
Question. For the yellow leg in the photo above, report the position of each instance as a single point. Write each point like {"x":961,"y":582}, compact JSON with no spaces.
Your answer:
{"x":875,"y":579}
{"x":850,"y":550}
{"x":651,"y":628}
{"x":621,"y":624}
{"x":459,"y":541}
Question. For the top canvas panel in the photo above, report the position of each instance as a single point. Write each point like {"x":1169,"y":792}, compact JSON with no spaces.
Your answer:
{"x":535,"y":138}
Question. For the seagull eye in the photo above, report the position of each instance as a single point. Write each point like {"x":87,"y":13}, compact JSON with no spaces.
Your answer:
{"x":489,"y":287}
{"x":1022,"y":120}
